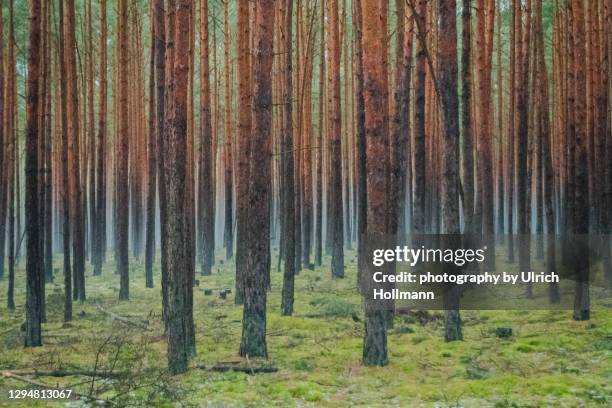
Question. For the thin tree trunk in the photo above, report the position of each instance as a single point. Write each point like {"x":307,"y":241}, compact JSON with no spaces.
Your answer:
{"x":207,"y":165}
{"x":122,"y":232}
{"x":333,"y":75}
{"x":288,"y":170}
{"x":244,"y":131}
{"x":152,"y":161}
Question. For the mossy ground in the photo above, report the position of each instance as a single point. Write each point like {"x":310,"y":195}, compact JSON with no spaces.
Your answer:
{"x":550,"y":360}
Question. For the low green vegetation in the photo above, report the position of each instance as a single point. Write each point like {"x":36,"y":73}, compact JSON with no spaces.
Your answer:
{"x":549,"y":360}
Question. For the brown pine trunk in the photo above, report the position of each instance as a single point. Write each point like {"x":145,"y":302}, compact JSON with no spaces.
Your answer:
{"x":467,"y":145}
{"x":207,"y":166}
{"x":122,"y":158}
{"x":448,"y":79}
{"x":253,"y":342}
{"x":581,"y":206}
{"x":333,"y":75}
{"x":34,"y":297}
{"x":100,"y":222}
{"x":287,"y":151}
{"x":418,"y":216}
{"x":522,"y":143}
{"x":320,"y":142}
{"x":179,"y":312}
{"x":227,"y":135}
{"x":3,"y":145}
{"x":484,"y":144}
{"x":78,"y":240}
{"x":244,"y":131}
{"x":377,"y":151}
{"x":151,"y":161}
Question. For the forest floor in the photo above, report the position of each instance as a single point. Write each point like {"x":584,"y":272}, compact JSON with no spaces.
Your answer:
{"x":550,"y":360}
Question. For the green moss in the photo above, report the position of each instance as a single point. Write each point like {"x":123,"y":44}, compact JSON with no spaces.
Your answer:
{"x":549,"y":361}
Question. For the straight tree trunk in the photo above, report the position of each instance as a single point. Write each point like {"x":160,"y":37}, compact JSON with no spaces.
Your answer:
{"x":152,"y":161}
{"x":288,"y":170}
{"x":448,"y":78}
{"x":34,"y":300}
{"x":3,"y":145}
{"x":78,"y":239}
{"x":207,"y":165}
{"x":65,"y":191}
{"x":100,"y":227}
{"x":377,"y":167}
{"x":581,"y":205}
{"x":418,"y":217}
{"x":244,"y":131}
{"x":466,"y":118}
{"x":333,"y":75}
{"x":227,"y":135}
{"x":179,"y":314}
{"x":253,"y":342}
{"x":320,"y":143}
{"x":122,"y":234}
{"x":522,"y":143}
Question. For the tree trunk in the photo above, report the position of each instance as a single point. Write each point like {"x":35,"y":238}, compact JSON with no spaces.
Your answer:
{"x":207,"y":166}
{"x":253,"y":342}
{"x":244,"y":131}
{"x":34,"y":296}
{"x":179,"y":313}
{"x":152,"y":159}
{"x":581,"y":205}
{"x":333,"y":74}
{"x":448,"y":78}
{"x":122,"y":232}
{"x":287,"y":151}
{"x":377,"y":166}
{"x":78,"y":240}
{"x":227,"y":135}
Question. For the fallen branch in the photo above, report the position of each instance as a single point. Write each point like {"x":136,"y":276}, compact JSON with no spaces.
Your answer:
{"x":9,"y":374}
{"x":67,"y":373}
{"x":222,"y":368}
{"x":122,"y":319}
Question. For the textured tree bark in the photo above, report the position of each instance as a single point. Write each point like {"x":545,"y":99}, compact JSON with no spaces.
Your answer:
{"x":361,"y":141}
{"x":228,"y":233}
{"x":287,"y":150}
{"x":448,"y":78}
{"x":418,"y":216}
{"x":100,"y":222}
{"x":581,"y":206}
{"x":244,"y":131}
{"x":522,"y":144}
{"x":65,"y":190}
{"x":78,"y":240}
{"x":91,"y":137}
{"x":377,"y":167}
{"x":179,"y":313}
{"x":467,"y":145}
{"x":401,"y":127}
{"x":333,"y":50}
{"x":152,"y":161}
{"x":3,"y":144}
{"x":206,"y":186}
{"x":320,"y":143}
{"x":122,"y":237}
{"x":253,"y":342}
{"x":547,"y":165}
{"x":484,"y":144}
{"x":34,"y":296}
{"x":514,"y":84}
